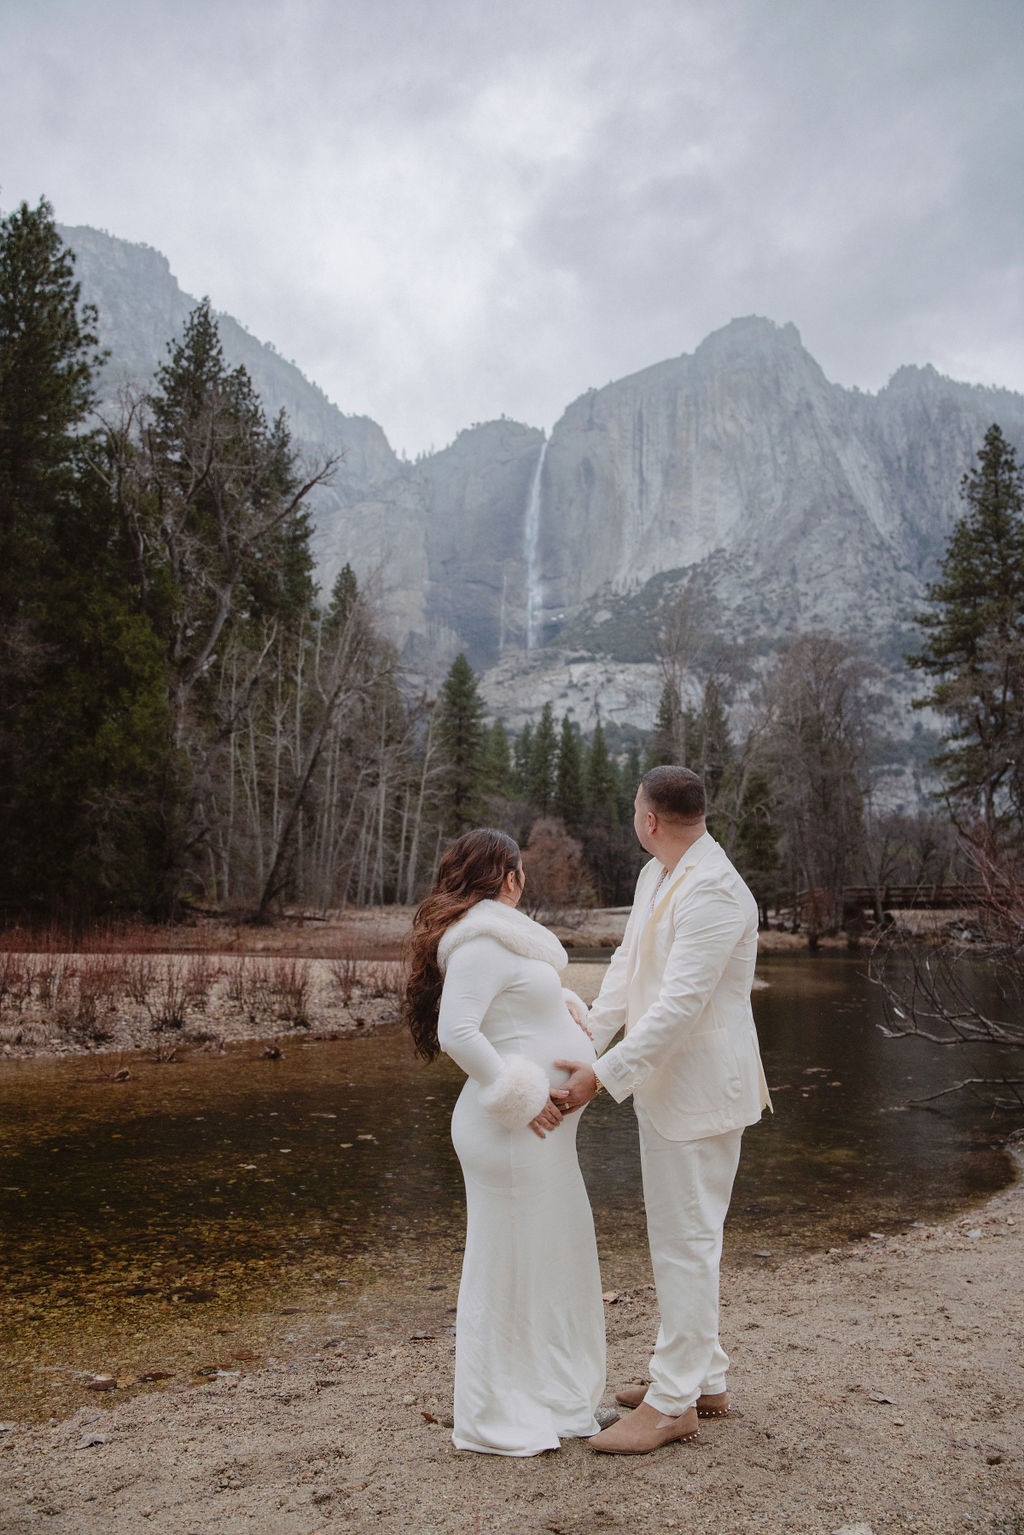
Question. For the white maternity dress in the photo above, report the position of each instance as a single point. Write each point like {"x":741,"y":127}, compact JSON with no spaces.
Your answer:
{"x":529,"y":1348}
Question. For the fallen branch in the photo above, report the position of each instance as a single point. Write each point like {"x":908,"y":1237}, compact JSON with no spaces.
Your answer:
{"x":1017,"y":1083}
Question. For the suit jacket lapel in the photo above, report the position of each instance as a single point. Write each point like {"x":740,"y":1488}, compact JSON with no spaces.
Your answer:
{"x":650,"y":876}
{"x":690,"y":859}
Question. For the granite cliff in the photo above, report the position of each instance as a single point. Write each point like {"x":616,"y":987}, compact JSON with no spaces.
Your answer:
{"x":142,"y":308}
{"x":739,"y":473}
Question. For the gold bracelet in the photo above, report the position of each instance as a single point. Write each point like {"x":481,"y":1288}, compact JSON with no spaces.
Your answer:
{"x":600,"y":1085}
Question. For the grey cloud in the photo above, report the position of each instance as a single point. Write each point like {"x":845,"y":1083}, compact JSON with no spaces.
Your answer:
{"x":447,"y":210}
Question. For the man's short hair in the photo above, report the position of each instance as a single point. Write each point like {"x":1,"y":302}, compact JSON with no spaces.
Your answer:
{"x":675,"y":793}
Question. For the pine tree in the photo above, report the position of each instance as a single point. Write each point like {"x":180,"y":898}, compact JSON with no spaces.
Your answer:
{"x":460,"y":733}
{"x":46,"y":360}
{"x":709,"y":744}
{"x":543,"y":764}
{"x":630,"y":774}
{"x":497,"y":761}
{"x":84,"y":729}
{"x":668,"y":743}
{"x":212,"y":503}
{"x":816,"y":755}
{"x":88,"y":814}
{"x":601,"y":781}
{"x":344,"y":595}
{"x":756,"y":840}
{"x":221,"y":507}
{"x":570,"y":791}
{"x":522,"y":751}
{"x":47,"y":356}
{"x":974,"y":643}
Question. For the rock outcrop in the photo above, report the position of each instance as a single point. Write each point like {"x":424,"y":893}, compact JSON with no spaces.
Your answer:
{"x":739,"y":473}
{"x":142,"y":308}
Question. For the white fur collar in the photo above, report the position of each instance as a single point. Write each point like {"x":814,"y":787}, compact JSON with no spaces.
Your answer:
{"x":514,"y":929}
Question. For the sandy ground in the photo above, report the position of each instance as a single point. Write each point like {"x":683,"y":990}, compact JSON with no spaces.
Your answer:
{"x":881,"y":1388}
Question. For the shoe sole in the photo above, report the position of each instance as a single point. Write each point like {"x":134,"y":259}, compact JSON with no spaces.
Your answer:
{"x":601,"y":1449}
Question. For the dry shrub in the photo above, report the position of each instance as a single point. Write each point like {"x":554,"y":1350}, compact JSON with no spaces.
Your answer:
{"x":290,"y":982}
{"x":200,"y":975}
{"x":238,"y":981}
{"x":101,"y":982}
{"x":26,"y":1031}
{"x":344,"y":973}
{"x":139,"y":977}
{"x":54,"y":972}
{"x":15,"y":981}
{"x":251,"y":987}
{"x":167,"y":1004}
{"x":204,"y":1035}
{"x":87,"y":996}
{"x":556,"y":874}
{"x":381,"y":977}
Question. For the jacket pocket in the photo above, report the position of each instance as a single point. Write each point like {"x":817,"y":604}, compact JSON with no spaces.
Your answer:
{"x":703,"y":1074}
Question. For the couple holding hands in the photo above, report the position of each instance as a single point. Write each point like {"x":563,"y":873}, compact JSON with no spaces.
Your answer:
{"x":484,"y":986}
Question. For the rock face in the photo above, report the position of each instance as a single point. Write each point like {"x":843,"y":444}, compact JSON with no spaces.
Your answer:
{"x":799,"y":502}
{"x":786,"y":501}
{"x":441,"y":541}
{"x":142,"y":308}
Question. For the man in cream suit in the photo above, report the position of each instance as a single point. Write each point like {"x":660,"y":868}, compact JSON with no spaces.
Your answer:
{"x":680,"y":986}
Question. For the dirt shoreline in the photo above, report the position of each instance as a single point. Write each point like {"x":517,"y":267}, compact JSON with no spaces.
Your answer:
{"x":880,"y":1385}
{"x":881,"y":1388}
{"x":222,"y":983}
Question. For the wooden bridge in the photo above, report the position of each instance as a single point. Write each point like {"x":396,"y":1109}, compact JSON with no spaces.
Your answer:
{"x":909,"y":897}
{"x":820,"y":908}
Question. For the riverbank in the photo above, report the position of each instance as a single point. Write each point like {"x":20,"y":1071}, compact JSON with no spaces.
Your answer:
{"x":881,"y":1388}
{"x":201,"y":986}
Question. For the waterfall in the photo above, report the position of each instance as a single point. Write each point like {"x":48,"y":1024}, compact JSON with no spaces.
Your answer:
{"x":531,"y":552}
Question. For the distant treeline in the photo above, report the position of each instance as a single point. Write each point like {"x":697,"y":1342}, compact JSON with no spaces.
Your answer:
{"x":184,"y":718}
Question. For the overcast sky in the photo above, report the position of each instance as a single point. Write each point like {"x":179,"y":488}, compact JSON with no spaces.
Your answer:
{"x":448,"y":209}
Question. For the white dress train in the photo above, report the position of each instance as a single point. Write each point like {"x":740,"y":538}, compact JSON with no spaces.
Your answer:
{"x":530,"y":1348}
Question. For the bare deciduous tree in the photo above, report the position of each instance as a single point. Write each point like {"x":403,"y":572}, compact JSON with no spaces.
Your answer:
{"x":815,"y":750}
{"x":967,"y":987}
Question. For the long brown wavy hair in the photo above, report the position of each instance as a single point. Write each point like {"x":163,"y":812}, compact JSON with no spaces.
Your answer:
{"x":471,"y":869}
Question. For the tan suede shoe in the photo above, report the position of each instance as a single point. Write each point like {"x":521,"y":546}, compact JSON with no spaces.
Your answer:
{"x":716,"y":1406}
{"x":646,"y":1430}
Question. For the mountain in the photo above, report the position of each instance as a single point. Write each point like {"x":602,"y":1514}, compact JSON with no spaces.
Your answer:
{"x":142,"y":308}
{"x":738,"y":476}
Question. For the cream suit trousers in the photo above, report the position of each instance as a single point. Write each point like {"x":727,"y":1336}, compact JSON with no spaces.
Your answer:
{"x":687,"y":1188}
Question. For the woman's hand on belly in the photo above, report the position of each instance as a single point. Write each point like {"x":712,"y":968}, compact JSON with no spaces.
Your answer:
{"x":549,"y":1118}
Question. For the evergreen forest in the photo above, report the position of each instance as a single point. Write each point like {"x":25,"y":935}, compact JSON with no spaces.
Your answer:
{"x":187,"y":720}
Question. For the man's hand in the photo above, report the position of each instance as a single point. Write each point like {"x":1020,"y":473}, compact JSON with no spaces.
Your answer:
{"x":581,"y":1086}
{"x":549,"y":1118}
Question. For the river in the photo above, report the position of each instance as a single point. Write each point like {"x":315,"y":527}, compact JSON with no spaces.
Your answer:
{"x":156,"y":1224}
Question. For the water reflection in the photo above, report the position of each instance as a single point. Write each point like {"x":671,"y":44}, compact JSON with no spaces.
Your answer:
{"x":144,"y":1220}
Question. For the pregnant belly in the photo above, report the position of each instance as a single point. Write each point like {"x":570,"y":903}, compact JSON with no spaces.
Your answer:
{"x":565,"y":1042}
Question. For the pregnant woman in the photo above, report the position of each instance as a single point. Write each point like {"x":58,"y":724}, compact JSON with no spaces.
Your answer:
{"x":484,"y":987}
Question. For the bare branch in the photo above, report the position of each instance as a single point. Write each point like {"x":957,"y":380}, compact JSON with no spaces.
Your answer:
{"x":1017,"y":1083}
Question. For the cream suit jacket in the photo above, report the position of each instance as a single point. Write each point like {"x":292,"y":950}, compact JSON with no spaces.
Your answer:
{"x":680,"y":986}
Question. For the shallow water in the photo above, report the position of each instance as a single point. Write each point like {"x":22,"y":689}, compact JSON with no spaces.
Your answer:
{"x":156,"y":1223}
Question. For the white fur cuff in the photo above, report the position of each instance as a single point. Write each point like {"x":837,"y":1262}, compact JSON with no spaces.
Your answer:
{"x":517,"y":1094}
